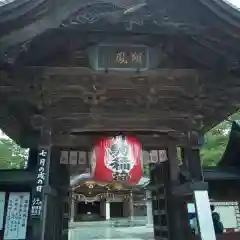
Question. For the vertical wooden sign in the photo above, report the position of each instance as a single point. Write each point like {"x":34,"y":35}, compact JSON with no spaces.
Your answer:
{"x":36,"y":208}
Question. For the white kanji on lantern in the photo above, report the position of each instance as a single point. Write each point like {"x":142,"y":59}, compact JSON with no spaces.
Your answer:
{"x":119,"y":156}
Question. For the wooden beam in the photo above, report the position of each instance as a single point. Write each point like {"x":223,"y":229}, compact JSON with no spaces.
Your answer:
{"x":137,"y":106}
{"x":161,"y":101}
{"x":84,"y":71}
{"x":122,"y":124}
{"x":85,"y":141}
{"x":88,"y":96}
{"x":80,"y":79}
{"x":95,"y":114}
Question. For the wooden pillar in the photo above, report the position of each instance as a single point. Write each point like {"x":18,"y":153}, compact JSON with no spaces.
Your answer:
{"x":52,"y":219}
{"x":192,"y":160}
{"x":48,"y":211}
{"x":40,"y":199}
{"x":60,"y":181}
{"x":102,"y":207}
{"x":153,"y":188}
{"x":158,"y":176}
{"x":36,"y":205}
{"x":125,"y":208}
{"x":169,"y":212}
{"x":175,"y":204}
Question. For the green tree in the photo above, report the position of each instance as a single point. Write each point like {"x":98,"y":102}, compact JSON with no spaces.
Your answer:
{"x":216,"y":141}
{"x":12,"y":156}
{"x":214,"y":147}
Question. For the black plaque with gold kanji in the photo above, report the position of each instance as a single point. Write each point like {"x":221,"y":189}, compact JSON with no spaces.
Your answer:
{"x":122,"y":57}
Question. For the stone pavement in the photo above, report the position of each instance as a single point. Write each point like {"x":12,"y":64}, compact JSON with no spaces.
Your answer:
{"x":103,"y":231}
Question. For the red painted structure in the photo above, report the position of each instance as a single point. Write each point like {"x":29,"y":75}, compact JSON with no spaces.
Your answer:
{"x":117,"y":159}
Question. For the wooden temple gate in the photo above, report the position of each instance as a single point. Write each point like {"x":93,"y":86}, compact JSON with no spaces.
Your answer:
{"x":71,"y":71}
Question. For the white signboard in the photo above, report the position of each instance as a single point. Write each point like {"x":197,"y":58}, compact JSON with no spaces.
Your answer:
{"x":17,"y":216}
{"x":64,"y":157}
{"x":82,"y":158}
{"x":2,"y":205}
{"x":163,"y":156}
{"x":228,"y":216}
{"x":228,"y":212}
{"x":73,"y":157}
{"x":204,"y":215}
{"x":158,"y":156}
{"x":154,"y":156}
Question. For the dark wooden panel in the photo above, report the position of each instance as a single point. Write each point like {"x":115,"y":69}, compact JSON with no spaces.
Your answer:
{"x":225,"y":236}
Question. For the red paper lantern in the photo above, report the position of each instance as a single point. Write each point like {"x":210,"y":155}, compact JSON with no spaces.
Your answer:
{"x":117,"y":159}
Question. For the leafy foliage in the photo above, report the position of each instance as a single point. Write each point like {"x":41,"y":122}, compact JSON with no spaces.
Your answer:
{"x":214,"y":147}
{"x":12,"y":156}
{"x":216,"y":141}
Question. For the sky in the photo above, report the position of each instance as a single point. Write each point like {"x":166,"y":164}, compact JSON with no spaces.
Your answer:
{"x":2,"y":135}
{"x":234,"y":2}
